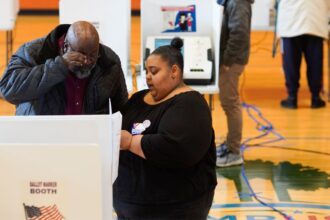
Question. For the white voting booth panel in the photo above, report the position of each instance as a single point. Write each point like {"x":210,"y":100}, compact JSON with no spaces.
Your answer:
{"x":208,"y":24}
{"x":8,"y":14}
{"x":263,"y":15}
{"x":111,"y":18}
{"x":45,"y":175}
{"x":65,"y":161}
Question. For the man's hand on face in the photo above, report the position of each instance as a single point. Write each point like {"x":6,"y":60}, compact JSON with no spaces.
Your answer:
{"x":74,"y":60}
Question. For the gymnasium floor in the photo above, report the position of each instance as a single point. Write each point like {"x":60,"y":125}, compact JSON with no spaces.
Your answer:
{"x":287,"y":167}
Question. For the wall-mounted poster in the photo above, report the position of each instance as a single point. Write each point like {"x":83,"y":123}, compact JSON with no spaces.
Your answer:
{"x":179,"y":18}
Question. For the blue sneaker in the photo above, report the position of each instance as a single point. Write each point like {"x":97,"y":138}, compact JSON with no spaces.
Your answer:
{"x":222,"y":149}
{"x":228,"y":159}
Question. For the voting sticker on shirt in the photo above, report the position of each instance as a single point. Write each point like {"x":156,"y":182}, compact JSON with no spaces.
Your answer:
{"x":139,"y":128}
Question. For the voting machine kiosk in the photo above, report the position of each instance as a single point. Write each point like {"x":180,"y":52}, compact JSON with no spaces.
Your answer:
{"x":198,"y":23}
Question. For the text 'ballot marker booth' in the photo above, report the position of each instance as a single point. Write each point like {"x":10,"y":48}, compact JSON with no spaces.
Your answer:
{"x":61,"y":166}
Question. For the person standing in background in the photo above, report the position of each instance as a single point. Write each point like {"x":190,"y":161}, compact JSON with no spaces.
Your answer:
{"x":234,"y":55}
{"x":302,"y":26}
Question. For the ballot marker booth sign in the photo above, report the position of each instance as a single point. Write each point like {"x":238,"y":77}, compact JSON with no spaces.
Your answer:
{"x":58,"y":167}
{"x":58,"y":181}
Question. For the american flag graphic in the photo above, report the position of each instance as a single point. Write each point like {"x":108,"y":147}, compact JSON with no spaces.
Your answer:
{"x":42,"y":213}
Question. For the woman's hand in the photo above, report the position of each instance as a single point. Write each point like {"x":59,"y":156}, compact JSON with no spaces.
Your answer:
{"x":125,"y":140}
{"x":131,"y":143}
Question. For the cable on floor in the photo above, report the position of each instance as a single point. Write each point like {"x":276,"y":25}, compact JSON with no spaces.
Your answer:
{"x":265,"y":127}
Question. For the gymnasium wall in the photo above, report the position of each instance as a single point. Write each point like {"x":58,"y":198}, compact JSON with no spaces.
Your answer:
{"x":39,"y":5}
{"x":53,"y":4}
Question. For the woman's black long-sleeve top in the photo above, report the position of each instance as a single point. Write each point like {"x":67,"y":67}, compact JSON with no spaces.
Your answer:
{"x":179,"y":148}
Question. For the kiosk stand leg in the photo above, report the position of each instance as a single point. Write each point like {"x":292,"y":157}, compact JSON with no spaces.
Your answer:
{"x":211,"y":101}
{"x":9,"y":45}
{"x":329,"y":68}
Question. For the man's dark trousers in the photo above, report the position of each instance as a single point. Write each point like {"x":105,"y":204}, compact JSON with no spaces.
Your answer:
{"x":293,"y":49}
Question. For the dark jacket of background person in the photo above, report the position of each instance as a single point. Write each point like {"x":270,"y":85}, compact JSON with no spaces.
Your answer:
{"x":235,"y":35}
{"x":34,"y":80}
{"x":180,"y":150}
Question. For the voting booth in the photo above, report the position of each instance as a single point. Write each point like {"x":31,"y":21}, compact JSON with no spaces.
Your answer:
{"x":263,"y":15}
{"x":112,"y":20}
{"x":58,"y":165}
{"x":8,"y":13}
{"x":198,"y":23}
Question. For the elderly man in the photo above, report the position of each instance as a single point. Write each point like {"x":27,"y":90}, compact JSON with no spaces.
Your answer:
{"x":67,"y":72}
